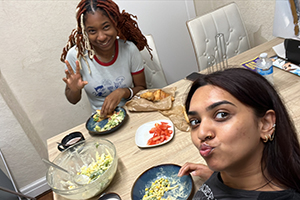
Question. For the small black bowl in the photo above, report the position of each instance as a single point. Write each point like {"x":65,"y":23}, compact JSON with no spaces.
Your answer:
{"x":69,"y":140}
{"x":109,"y":196}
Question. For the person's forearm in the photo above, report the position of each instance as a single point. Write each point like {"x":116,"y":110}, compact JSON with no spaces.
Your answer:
{"x":138,"y":88}
{"x":73,"y":96}
{"x":127,"y":93}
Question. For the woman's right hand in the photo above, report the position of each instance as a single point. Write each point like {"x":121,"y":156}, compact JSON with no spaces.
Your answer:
{"x":74,"y":83}
{"x":196,"y":170}
{"x":74,"y":80}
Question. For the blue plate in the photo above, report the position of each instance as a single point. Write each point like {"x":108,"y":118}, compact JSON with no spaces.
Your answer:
{"x":91,"y":124}
{"x":185,"y":184}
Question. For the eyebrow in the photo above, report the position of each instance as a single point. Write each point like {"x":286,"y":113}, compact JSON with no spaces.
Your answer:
{"x":103,"y":24}
{"x":106,"y":22}
{"x":212,"y":106}
{"x":89,"y":27}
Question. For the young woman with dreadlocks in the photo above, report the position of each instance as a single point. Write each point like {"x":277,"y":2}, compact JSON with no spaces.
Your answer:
{"x":102,"y":56}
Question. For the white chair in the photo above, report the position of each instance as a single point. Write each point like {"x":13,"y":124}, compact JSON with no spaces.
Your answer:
{"x":203,"y":29}
{"x":155,"y":77}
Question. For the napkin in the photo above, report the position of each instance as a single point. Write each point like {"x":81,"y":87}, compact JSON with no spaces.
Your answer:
{"x":139,"y":104}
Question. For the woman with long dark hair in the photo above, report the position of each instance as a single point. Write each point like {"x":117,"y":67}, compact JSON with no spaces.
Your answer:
{"x":244,"y":132}
{"x":102,"y":56}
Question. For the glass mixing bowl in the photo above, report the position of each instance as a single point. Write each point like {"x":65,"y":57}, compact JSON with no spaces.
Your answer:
{"x":81,"y":154}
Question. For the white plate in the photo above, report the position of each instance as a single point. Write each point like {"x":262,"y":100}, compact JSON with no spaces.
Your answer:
{"x":142,"y":134}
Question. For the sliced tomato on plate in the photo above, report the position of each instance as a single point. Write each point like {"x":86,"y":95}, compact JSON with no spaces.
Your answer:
{"x":160,"y":133}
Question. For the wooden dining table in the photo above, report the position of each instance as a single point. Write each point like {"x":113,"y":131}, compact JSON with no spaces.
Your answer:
{"x":133,"y":161}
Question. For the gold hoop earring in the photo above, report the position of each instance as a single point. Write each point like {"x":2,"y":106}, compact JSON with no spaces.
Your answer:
{"x":271,"y":137}
{"x":266,"y":139}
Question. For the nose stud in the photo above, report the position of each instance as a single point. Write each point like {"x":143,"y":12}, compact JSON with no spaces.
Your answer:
{"x":209,"y":136}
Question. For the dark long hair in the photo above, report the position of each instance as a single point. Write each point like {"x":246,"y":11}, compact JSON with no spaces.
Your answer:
{"x":281,"y":157}
{"x":124,"y":22}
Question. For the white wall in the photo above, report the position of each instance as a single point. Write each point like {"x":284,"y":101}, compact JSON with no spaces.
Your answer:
{"x":33,"y":33}
{"x":33,"y":107}
{"x":22,"y":157}
{"x":165,"y":20}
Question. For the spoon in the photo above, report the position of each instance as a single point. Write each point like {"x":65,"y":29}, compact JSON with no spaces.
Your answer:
{"x":80,"y":179}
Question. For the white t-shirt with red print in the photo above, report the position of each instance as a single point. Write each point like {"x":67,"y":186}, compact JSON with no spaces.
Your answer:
{"x":104,"y":78}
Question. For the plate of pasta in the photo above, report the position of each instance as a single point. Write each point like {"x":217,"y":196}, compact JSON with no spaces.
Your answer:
{"x":161,"y":182}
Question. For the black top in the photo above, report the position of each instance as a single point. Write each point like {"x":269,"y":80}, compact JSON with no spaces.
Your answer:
{"x":214,"y":189}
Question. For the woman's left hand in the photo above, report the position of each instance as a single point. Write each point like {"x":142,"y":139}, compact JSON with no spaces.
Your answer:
{"x":112,"y":101}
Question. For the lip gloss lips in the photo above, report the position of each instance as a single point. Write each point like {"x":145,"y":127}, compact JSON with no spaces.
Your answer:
{"x":205,"y":150}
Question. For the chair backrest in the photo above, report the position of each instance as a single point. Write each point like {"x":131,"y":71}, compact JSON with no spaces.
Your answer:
{"x":203,"y":29}
{"x":155,"y":77}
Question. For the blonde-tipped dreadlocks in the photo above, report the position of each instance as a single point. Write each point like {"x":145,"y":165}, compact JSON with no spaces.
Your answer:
{"x":126,"y":26}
